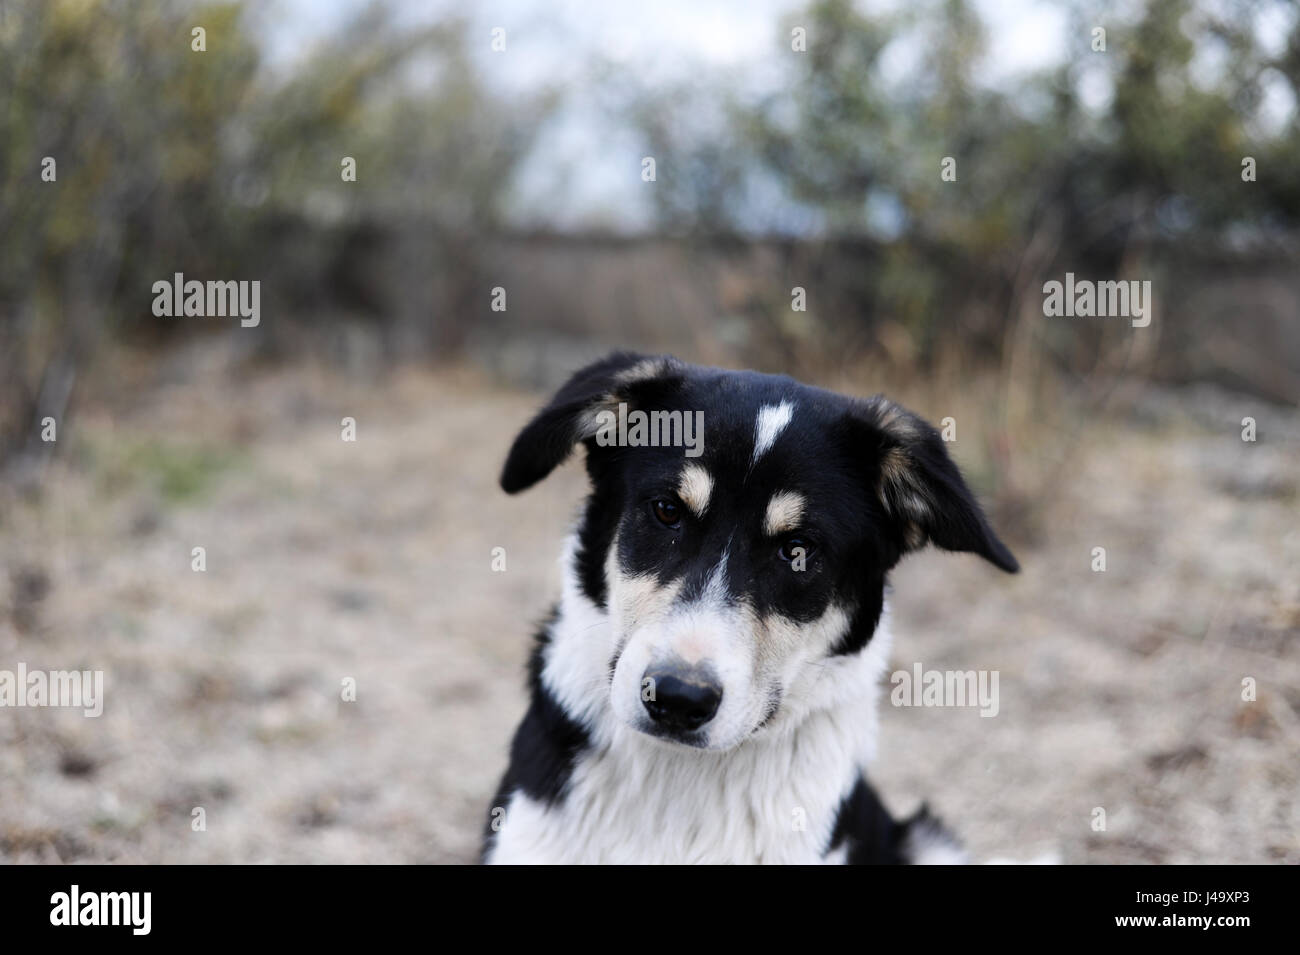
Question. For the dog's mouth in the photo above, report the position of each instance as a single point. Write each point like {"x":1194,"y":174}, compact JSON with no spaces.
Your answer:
{"x":702,"y":739}
{"x":695,"y":739}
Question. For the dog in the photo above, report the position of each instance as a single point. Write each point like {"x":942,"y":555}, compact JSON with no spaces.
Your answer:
{"x":705,"y":689}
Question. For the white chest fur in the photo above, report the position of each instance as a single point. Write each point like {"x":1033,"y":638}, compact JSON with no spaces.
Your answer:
{"x":635,"y":800}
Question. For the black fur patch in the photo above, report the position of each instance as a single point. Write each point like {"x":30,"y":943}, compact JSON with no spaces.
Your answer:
{"x":546,"y":745}
{"x":865,"y":619}
{"x":871,"y":834}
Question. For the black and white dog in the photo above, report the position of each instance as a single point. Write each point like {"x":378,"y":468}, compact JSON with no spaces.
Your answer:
{"x":705,"y":689}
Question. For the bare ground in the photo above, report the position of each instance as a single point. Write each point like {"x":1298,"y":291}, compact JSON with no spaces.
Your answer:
{"x":371,"y":560}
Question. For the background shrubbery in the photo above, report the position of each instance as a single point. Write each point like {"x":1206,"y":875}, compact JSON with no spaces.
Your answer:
{"x":1122,"y":164}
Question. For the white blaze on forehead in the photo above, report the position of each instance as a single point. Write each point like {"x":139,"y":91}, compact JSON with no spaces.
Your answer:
{"x":784,"y":513}
{"x":772,"y":420}
{"x":695,"y":489}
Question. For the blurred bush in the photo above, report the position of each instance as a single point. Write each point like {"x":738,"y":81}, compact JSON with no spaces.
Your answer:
{"x":219,"y":165}
{"x":1117,"y":164}
{"x":1122,"y":163}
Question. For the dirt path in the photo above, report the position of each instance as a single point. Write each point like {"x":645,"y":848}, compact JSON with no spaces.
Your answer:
{"x":371,"y":560}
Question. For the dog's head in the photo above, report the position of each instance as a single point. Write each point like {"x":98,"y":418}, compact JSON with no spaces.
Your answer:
{"x":739,"y":530}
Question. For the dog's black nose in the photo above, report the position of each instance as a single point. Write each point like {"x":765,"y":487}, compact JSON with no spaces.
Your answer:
{"x":681,"y":698}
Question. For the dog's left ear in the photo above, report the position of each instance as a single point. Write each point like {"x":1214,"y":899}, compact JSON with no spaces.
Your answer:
{"x":921,"y":488}
{"x":573,"y":414}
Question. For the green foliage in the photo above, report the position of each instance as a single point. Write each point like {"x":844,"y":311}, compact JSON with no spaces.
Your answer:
{"x":181,"y":472}
{"x":1173,"y":131}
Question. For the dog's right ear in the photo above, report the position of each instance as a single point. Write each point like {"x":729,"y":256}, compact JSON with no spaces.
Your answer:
{"x":573,"y":414}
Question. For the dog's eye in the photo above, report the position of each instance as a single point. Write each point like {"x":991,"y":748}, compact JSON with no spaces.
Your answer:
{"x":794,"y":548}
{"x":668,"y":513}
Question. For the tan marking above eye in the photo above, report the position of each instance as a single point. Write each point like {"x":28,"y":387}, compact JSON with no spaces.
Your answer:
{"x":695,"y":489}
{"x":785,"y":512}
